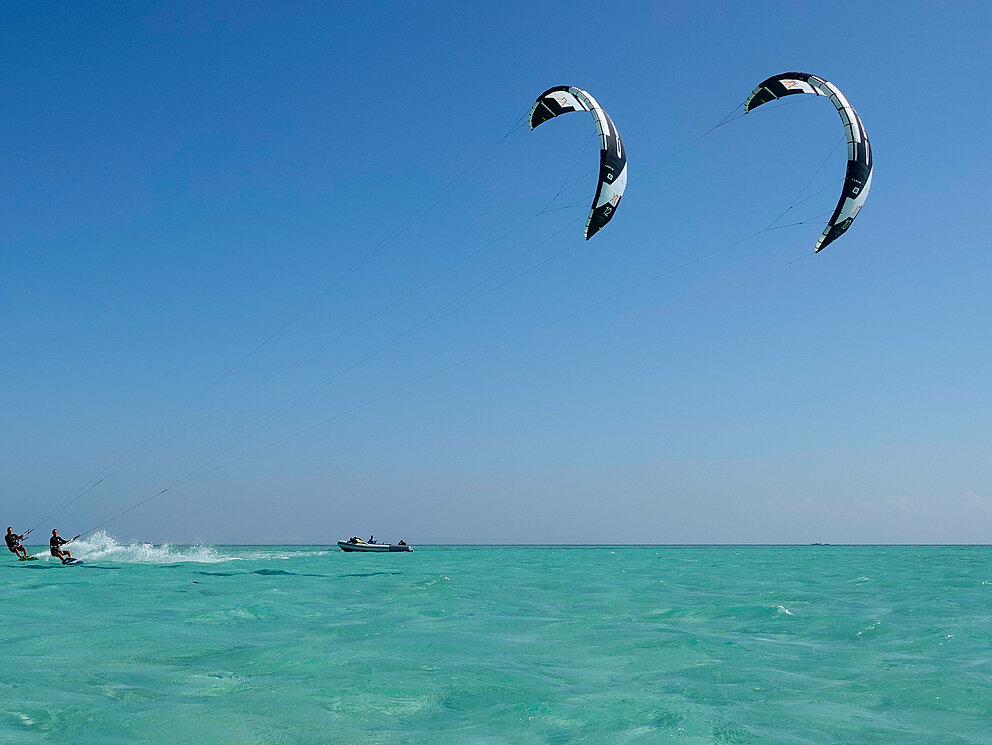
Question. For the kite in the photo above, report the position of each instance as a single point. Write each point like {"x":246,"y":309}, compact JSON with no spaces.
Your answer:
{"x":859,"y":161}
{"x":612,"y":158}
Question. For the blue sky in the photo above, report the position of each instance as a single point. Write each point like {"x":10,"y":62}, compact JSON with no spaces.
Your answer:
{"x":180,"y":179}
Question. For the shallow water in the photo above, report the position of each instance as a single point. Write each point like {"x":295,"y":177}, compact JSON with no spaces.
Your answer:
{"x":303,"y":644}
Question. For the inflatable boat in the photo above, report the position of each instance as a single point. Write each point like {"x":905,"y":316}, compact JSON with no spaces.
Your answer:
{"x":361,"y":545}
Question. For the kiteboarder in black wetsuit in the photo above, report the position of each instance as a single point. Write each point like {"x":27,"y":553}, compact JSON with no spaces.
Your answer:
{"x":56,"y":544}
{"x":14,"y":543}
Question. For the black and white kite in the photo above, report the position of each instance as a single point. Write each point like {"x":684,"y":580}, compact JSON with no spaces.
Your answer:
{"x":859,"y":162}
{"x":612,"y":158}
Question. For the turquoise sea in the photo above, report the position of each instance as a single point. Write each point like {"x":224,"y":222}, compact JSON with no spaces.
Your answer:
{"x":482,"y":644}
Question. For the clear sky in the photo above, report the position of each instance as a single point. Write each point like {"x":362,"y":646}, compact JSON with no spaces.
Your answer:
{"x":181,"y":179}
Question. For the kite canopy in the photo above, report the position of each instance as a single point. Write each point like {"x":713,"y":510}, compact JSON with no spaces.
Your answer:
{"x":612,"y":158}
{"x":859,"y":161}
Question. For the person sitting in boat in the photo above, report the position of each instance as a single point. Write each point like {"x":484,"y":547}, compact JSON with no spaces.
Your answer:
{"x":56,"y":542}
{"x":401,"y":542}
{"x":371,"y":539}
{"x":14,"y":543}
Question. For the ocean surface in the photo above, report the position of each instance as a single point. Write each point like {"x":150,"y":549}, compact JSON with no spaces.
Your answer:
{"x":640,"y":644}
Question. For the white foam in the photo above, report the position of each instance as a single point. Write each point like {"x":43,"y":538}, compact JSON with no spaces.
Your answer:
{"x":102,"y":546}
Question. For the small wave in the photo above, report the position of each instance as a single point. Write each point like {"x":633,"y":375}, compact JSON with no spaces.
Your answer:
{"x":283,"y":555}
{"x":783,"y":609}
{"x":870,"y":627}
{"x":102,"y":546}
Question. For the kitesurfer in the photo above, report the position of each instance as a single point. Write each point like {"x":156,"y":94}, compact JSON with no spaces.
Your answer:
{"x":56,"y":542}
{"x":14,"y":543}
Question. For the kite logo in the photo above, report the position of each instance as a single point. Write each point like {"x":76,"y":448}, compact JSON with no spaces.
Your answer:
{"x":790,"y":84}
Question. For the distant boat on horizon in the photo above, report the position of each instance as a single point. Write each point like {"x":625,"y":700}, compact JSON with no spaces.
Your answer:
{"x":357,"y":544}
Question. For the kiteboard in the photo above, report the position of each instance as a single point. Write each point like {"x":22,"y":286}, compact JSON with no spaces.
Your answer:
{"x":27,"y":558}
{"x":72,"y":562}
